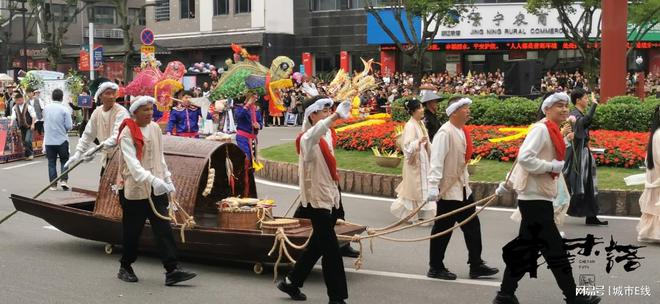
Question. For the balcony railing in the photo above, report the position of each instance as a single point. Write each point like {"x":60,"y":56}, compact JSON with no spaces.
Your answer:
{"x":105,"y":33}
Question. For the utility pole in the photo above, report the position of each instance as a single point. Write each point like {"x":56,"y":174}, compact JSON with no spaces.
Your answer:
{"x":25,"y":60}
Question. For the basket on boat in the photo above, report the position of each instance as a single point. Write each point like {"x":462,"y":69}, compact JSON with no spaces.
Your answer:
{"x":246,"y":218}
{"x":270,"y":227}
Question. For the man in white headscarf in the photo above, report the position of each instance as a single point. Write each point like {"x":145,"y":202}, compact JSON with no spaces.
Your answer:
{"x":102,"y":125}
{"x":534,"y":178}
{"x":320,"y":200}
{"x":143,"y":181}
{"x":448,"y":186}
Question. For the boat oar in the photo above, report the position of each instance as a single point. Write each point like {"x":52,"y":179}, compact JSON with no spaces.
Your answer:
{"x":54,"y":181}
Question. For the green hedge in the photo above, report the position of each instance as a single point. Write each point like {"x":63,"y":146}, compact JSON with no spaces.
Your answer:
{"x":621,"y":113}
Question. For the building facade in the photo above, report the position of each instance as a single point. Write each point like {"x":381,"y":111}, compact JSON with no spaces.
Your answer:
{"x":39,"y":21}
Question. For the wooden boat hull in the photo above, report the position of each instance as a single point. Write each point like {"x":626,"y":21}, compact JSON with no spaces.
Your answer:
{"x":78,"y":220}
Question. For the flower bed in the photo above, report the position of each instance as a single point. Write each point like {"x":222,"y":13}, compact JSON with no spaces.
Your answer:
{"x":622,"y":149}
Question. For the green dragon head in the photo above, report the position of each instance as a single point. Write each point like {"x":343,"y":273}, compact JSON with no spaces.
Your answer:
{"x":281,"y":68}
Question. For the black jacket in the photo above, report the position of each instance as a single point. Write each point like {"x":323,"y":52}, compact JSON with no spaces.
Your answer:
{"x":432,"y":123}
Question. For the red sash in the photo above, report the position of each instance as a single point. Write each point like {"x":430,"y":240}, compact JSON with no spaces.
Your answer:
{"x":330,"y":159}
{"x":469,"y":148}
{"x":136,"y":134}
{"x":557,"y":141}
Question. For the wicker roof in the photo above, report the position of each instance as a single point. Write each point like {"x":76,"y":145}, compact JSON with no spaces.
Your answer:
{"x":187,"y":160}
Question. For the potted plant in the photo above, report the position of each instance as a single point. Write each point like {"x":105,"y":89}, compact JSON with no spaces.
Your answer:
{"x":389,"y":159}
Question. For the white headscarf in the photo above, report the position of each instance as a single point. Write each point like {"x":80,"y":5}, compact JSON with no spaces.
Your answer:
{"x":140,"y":101}
{"x":108,"y":85}
{"x":554,"y":98}
{"x":316,"y":106}
{"x":457,"y":105}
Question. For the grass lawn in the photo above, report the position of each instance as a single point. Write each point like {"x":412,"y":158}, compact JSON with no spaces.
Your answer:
{"x":487,"y":170}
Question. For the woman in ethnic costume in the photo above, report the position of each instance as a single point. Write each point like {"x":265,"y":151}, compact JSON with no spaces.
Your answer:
{"x":649,"y":223}
{"x":412,"y":191}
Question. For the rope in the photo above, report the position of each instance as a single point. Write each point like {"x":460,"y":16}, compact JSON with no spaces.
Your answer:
{"x":188,"y":221}
{"x":294,"y":203}
{"x":281,"y":243}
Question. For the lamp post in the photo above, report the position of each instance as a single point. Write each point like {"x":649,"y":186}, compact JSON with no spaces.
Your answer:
{"x":25,"y":60}
{"x":639,"y":83}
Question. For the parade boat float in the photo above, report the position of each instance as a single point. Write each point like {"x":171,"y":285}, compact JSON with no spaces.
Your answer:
{"x":208,"y":176}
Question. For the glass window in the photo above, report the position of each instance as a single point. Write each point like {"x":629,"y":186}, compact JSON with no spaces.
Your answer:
{"x":136,"y":14}
{"x":220,"y":7}
{"x":162,"y":11}
{"x":187,"y":9}
{"x":355,"y":4}
{"x":324,"y":5}
{"x":59,"y":12}
{"x":101,"y":14}
{"x":243,"y":6}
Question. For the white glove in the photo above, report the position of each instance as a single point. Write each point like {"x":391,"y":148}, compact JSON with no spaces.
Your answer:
{"x":89,"y":155}
{"x":160,"y":186}
{"x":170,"y":184}
{"x":434,"y":192}
{"x":344,"y":109}
{"x":501,"y":190}
{"x":557,"y":166}
{"x":109,"y":143}
{"x":73,"y":159}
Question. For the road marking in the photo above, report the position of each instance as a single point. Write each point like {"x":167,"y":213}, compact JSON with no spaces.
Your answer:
{"x":389,"y":200}
{"x":399,"y":275}
{"x":51,"y":228}
{"x":22,"y":165}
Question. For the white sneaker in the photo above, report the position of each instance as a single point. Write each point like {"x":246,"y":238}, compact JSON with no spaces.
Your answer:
{"x":53,"y":188}
{"x":65,"y":186}
{"x":31,"y":157}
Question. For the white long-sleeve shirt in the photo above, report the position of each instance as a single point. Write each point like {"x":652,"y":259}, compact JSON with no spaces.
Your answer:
{"x":139,"y":173}
{"x":31,"y":112}
{"x":536,"y":141}
{"x":439,"y":151}
{"x":313,"y":136}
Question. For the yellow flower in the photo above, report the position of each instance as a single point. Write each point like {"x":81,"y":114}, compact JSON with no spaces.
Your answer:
{"x":365,"y":123}
{"x":379,"y":116}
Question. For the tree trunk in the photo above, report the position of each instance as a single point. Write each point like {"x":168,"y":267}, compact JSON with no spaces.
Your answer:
{"x":591,"y":67}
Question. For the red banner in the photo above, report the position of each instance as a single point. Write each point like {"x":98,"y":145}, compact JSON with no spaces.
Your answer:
{"x":344,"y":61}
{"x":83,"y":64}
{"x":307,"y":62}
{"x":388,"y":63}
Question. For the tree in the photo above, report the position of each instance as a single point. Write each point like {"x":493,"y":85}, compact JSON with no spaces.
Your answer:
{"x":54,"y":35}
{"x":432,"y":13}
{"x":577,"y":31}
{"x":126,"y":25}
{"x":643,"y":15}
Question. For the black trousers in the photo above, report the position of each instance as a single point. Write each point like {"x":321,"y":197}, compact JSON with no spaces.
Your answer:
{"x":538,"y":233}
{"x":26,"y":136}
{"x":135,"y":212}
{"x":323,"y":244}
{"x":471,"y":232}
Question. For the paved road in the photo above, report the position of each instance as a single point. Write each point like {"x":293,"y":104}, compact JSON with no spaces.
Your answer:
{"x":40,"y":264}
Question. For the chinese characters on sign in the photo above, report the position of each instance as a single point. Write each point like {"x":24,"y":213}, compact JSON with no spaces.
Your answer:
{"x":521,"y":255}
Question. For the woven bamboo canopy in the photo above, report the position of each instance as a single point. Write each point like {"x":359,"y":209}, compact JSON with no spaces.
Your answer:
{"x":188,"y":161}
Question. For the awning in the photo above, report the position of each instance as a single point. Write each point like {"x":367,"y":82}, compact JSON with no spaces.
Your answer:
{"x":211,"y":41}
{"x":113,"y":50}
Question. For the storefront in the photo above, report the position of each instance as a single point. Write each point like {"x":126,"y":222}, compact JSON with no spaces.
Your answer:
{"x":504,"y":37}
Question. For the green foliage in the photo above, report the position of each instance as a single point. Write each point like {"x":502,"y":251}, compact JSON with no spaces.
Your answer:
{"x":233,"y":87}
{"x":32,"y":81}
{"x":621,"y":113}
{"x":74,"y":83}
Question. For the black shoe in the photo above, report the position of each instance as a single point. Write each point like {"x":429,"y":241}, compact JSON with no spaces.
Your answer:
{"x":592,"y":220}
{"x":349,"y":251}
{"x":584,"y":300}
{"x":502,"y":298}
{"x":126,"y":274}
{"x":337,"y":302}
{"x":293,"y":291}
{"x":482,"y":270}
{"x":441,"y":273}
{"x":178,"y":275}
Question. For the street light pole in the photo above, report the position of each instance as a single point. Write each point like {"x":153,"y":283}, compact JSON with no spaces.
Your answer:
{"x":25,"y":61}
